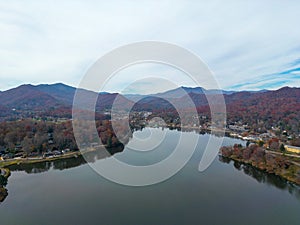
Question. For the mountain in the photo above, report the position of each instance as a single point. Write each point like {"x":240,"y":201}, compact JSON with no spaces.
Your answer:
{"x":56,"y":100}
{"x":248,"y":97}
{"x":135,"y":97}
{"x":264,"y":110}
{"x":26,"y":96}
{"x":59,"y":91}
{"x":106,"y":100}
{"x":151,"y":103}
{"x":49,"y":100}
{"x":179,"y":93}
{"x":239,"y":104}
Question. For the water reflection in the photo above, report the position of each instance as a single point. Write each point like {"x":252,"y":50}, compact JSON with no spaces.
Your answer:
{"x":3,"y":190}
{"x":3,"y":193}
{"x":264,"y":177}
{"x":62,"y":164}
{"x":59,"y":164}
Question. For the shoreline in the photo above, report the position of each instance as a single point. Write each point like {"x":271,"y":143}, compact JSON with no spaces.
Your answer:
{"x":286,"y":179}
{"x":6,"y":163}
{"x":287,"y":170}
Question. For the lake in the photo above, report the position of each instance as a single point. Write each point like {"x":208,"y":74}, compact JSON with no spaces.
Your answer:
{"x":71,"y":192}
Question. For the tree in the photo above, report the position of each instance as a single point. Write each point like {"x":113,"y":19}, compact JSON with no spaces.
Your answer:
{"x":109,"y":142}
{"x":40,"y":141}
{"x":248,"y":143}
{"x":260,"y":143}
{"x":274,"y":143}
{"x":282,"y":148}
{"x":11,"y":140}
{"x":27,"y":145}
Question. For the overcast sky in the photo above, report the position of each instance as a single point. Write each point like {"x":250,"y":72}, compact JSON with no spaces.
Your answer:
{"x":248,"y":45}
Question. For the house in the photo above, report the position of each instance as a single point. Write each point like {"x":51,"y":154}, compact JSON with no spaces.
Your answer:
{"x":65,"y":151}
{"x":293,"y":149}
{"x":56,"y":153}
{"x":238,"y":128}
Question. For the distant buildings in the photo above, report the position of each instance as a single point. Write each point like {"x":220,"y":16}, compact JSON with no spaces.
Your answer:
{"x":238,"y":128}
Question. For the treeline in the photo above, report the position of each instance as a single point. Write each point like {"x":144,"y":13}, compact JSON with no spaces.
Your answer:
{"x":31,"y":137}
{"x":258,"y":157}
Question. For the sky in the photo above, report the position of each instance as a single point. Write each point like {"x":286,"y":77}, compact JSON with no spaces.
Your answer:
{"x":248,"y":45}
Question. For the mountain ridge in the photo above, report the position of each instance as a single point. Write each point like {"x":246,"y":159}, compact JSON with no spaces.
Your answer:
{"x":57,"y":99}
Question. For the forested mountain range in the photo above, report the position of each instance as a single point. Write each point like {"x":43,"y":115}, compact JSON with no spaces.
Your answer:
{"x":272,"y":107}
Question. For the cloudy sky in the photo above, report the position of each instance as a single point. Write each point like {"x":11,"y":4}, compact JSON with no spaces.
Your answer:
{"x":248,"y":45}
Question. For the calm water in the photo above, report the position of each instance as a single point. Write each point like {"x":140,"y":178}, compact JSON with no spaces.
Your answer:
{"x":70,"y":192}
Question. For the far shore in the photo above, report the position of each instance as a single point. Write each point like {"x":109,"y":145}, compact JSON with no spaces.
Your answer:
{"x":281,"y":164}
{"x":31,"y":160}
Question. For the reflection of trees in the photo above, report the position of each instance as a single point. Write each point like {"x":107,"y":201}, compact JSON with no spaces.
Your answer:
{"x":98,"y":154}
{"x":3,"y":180}
{"x":263,"y":177}
{"x":105,"y":132}
{"x":237,"y":165}
{"x":3,"y":193}
{"x":61,"y":164}
{"x":224,"y":159}
{"x":3,"y":190}
{"x":68,"y":163}
{"x":41,"y":167}
{"x":32,"y":168}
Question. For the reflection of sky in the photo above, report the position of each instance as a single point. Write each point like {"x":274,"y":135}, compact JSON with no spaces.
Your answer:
{"x":248,"y":45}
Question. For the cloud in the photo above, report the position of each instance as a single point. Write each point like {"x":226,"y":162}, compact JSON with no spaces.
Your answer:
{"x":147,"y":78}
{"x":48,"y":42}
{"x":288,"y":77}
